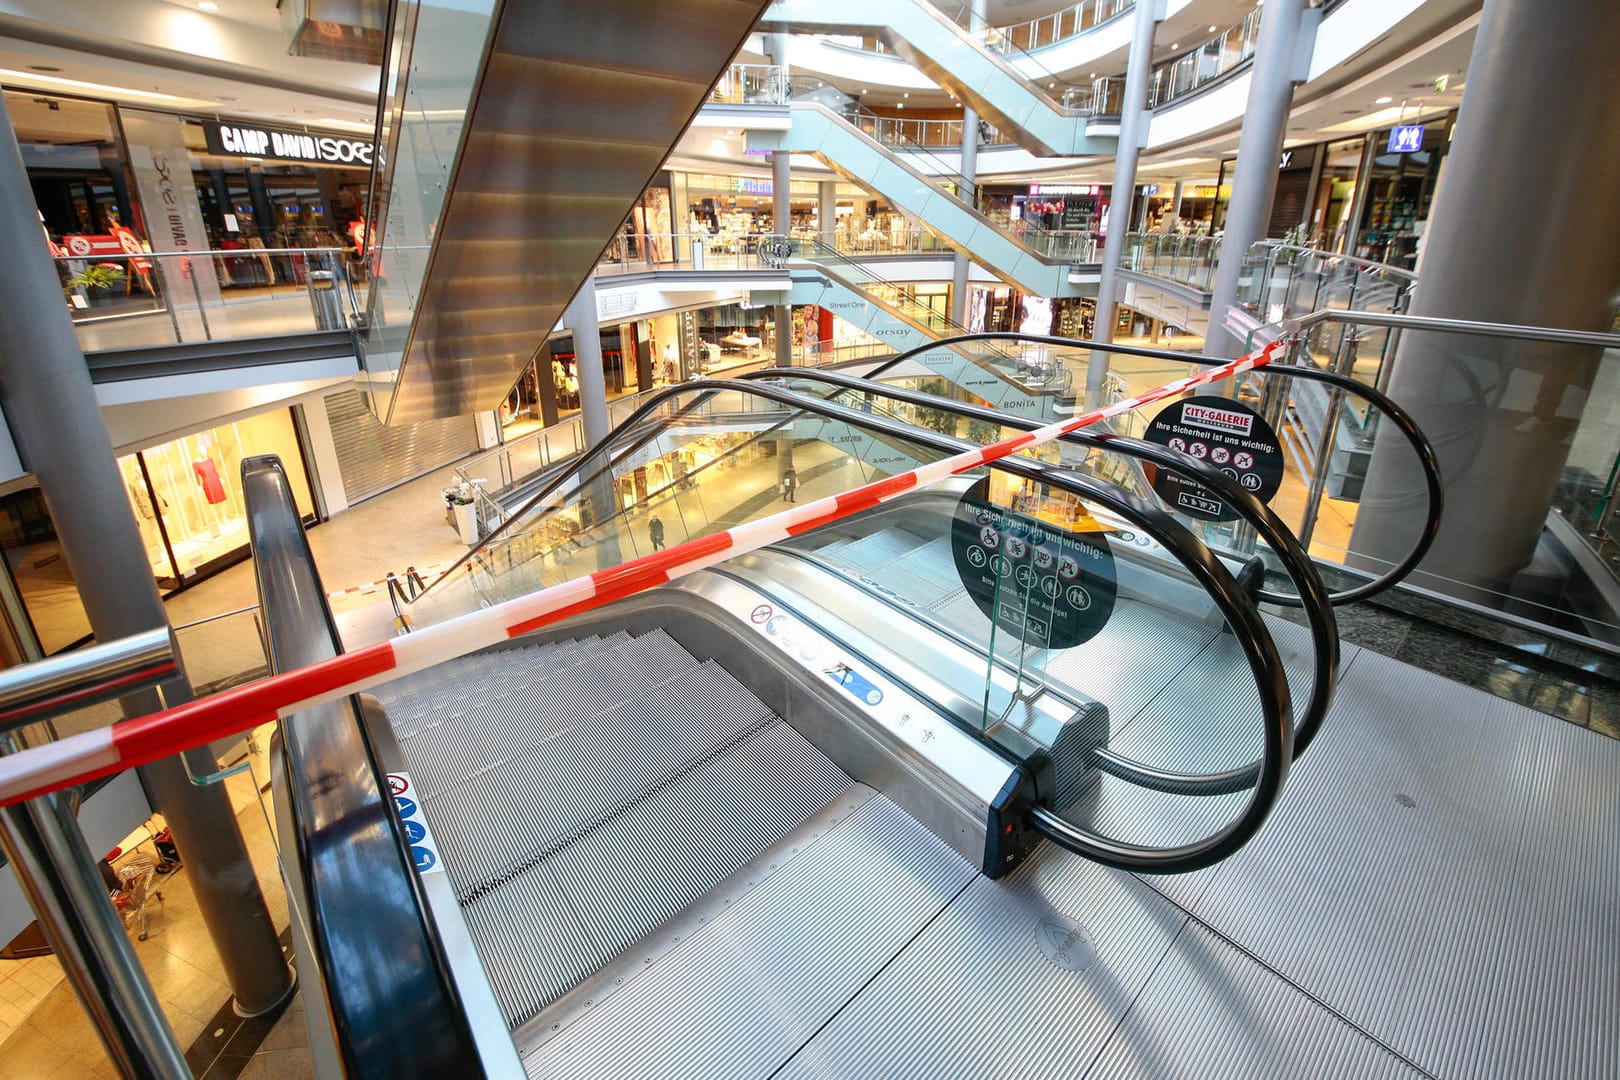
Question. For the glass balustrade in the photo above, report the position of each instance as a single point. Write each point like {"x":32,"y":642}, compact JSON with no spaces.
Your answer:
{"x":120,"y":301}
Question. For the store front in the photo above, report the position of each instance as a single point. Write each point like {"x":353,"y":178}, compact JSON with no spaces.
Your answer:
{"x":114,"y":181}
{"x":187,"y":496}
{"x":1399,"y":182}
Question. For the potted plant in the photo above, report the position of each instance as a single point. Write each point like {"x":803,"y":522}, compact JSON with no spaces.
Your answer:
{"x":460,"y":511}
{"x":98,"y":276}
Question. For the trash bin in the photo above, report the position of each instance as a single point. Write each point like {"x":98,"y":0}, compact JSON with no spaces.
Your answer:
{"x":324,"y":298}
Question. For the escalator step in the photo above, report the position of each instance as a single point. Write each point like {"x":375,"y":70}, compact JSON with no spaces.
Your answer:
{"x":544,"y":930}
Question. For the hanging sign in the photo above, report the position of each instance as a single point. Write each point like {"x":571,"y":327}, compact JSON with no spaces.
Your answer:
{"x":1053,"y":587}
{"x":1407,"y":139}
{"x":1228,"y":435}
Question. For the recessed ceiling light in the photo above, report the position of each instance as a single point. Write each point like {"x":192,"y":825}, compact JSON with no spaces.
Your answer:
{"x":1175,"y":45}
{"x":1383,"y":101}
{"x":207,"y":5}
{"x":48,"y":69}
{"x":906,"y":94}
{"x":1212,"y":29}
{"x":900,"y":105}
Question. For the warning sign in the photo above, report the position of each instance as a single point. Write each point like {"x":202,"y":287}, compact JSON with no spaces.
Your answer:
{"x":1225,"y":433}
{"x":1053,"y":587}
{"x":417,"y":835}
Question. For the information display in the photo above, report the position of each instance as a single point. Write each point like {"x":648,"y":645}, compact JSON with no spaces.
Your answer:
{"x":1053,"y":587}
{"x":1228,"y":435}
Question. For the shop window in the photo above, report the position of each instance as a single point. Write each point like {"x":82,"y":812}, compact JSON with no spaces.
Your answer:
{"x":187,"y":497}
{"x":34,"y":558}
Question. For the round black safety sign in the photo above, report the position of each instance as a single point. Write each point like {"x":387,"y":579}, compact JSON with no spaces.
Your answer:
{"x":1220,"y":432}
{"x":1052,"y":587}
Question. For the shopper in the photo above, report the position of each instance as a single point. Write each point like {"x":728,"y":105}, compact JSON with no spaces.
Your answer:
{"x":790,"y":484}
{"x":655,"y":533}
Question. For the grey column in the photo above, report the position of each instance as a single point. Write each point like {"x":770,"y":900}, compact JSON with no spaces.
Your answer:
{"x":827,"y":211}
{"x":776,"y":50}
{"x":1175,"y":207}
{"x":1254,"y":179}
{"x":56,"y":423}
{"x":1133,"y":124}
{"x":1514,"y":245}
{"x":970,"y":176}
{"x":582,"y":322}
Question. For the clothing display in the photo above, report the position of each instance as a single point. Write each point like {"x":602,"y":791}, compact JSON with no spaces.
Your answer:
{"x":208,"y":476}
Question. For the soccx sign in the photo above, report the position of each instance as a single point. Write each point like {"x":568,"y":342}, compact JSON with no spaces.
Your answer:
{"x":237,"y":140}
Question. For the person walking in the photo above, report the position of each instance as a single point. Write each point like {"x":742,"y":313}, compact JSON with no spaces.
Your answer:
{"x":655,"y":533}
{"x":790,"y":484}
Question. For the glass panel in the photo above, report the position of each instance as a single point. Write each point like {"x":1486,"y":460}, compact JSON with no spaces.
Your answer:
{"x":35,"y":560}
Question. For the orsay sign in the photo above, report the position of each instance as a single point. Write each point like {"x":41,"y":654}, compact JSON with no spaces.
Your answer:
{"x":240,"y":140}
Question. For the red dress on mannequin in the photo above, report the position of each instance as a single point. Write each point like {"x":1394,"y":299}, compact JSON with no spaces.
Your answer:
{"x":208,"y":476}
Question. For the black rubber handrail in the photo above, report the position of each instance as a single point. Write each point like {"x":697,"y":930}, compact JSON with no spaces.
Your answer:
{"x":392,"y":1005}
{"x":1235,"y":606}
{"x":1290,"y":553}
{"x":1393,"y":412}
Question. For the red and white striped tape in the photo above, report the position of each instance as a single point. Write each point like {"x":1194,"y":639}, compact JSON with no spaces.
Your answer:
{"x":139,"y":740}
{"x":369,"y":587}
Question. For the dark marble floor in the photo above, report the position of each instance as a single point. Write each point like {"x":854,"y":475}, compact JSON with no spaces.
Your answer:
{"x":1568,"y":681}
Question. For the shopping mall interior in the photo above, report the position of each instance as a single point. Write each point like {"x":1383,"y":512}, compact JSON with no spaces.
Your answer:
{"x":919,"y":538}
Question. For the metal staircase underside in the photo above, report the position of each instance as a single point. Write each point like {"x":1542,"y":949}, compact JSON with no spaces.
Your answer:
{"x":575,"y":111}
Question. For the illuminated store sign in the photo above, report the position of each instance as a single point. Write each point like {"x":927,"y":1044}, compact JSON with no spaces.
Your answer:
{"x":237,"y":140}
{"x":1065,"y":189}
{"x":1406,"y":140}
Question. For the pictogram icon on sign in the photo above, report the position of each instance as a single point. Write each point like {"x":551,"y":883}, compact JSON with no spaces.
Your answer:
{"x":1198,"y":450}
{"x":760,"y":614}
{"x":397,"y":784}
{"x":1243,"y":459}
{"x":1220,"y":455}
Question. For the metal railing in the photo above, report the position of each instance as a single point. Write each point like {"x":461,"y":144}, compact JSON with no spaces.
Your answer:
{"x":751,"y":84}
{"x":1189,"y":260}
{"x":1044,"y":31}
{"x":120,"y":300}
{"x":1205,"y":62}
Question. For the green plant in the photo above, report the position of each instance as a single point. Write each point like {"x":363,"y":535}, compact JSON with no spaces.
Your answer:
{"x":983,"y":432}
{"x":99,"y":276}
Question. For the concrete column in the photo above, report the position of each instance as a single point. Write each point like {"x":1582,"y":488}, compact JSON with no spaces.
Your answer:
{"x":581,"y":320}
{"x":776,"y":51}
{"x":1175,"y":206}
{"x":970,"y":174}
{"x":1514,"y":245}
{"x":1133,"y":124}
{"x":56,"y":423}
{"x":827,"y":212}
{"x":1254,"y":178}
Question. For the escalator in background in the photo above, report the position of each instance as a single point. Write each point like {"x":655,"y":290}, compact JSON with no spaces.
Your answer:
{"x":960,"y":60}
{"x":514,"y":147}
{"x":711,"y":781}
{"x":1026,"y":379}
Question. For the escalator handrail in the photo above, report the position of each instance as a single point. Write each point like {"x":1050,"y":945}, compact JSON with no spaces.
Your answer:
{"x":1295,"y":560}
{"x":1394,"y":413}
{"x":131,"y":743}
{"x":394,"y":1013}
{"x":1239,"y":612}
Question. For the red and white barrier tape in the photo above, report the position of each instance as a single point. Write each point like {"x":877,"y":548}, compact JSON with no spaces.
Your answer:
{"x":137,"y":741}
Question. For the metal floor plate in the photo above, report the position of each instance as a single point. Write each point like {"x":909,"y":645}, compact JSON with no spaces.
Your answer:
{"x":761,"y":979}
{"x":1442,"y":870}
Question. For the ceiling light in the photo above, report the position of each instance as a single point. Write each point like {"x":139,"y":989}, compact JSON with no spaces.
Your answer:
{"x":906,"y":94}
{"x":207,"y":5}
{"x":1383,"y":101}
{"x":900,"y":105}
{"x":1175,"y":45}
{"x":43,"y":67}
{"x":102,"y":88}
{"x":1212,"y":30}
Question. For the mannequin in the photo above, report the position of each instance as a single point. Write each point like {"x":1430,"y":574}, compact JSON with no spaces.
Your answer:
{"x":205,"y":469}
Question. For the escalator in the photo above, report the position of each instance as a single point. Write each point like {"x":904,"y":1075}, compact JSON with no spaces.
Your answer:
{"x":957,"y":59}
{"x":1036,"y":262}
{"x":517,"y":139}
{"x":1028,"y":379}
{"x":688,"y":833}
